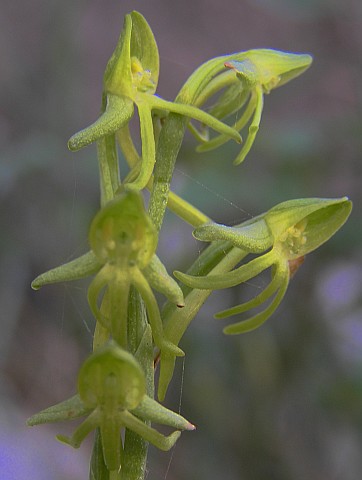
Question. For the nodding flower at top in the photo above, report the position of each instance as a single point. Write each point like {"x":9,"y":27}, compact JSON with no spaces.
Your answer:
{"x":251,"y":75}
{"x":283,"y":236}
{"x":130,"y":79}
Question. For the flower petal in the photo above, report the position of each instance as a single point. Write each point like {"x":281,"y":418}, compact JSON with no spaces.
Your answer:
{"x":257,"y":320}
{"x":229,"y":279}
{"x":118,"y":112}
{"x":254,"y":302}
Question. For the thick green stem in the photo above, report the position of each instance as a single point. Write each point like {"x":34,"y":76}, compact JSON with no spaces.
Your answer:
{"x":176,"y":204}
{"x":140,"y":344}
{"x":171,"y":137}
{"x":108,"y":164}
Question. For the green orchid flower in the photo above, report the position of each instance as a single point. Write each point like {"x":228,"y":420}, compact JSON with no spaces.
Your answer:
{"x":112,"y":392}
{"x":124,"y":241}
{"x":130,"y":79}
{"x":283,"y":236}
{"x":252,"y":75}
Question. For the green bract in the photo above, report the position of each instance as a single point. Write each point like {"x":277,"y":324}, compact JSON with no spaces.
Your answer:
{"x":124,"y":240}
{"x":131,"y":79}
{"x":253,"y":73}
{"x":112,"y":387}
{"x":287,"y":233}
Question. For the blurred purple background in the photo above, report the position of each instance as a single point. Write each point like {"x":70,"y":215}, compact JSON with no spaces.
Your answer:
{"x":284,"y":402}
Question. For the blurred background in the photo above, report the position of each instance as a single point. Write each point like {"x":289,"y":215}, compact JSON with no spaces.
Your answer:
{"x":283,"y":402}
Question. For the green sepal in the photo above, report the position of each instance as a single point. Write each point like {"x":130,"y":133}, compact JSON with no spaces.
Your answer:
{"x":322,"y":218}
{"x":253,"y":236}
{"x":136,"y":41}
{"x":88,"y":264}
{"x":153,"y":411}
{"x":159,"y":279}
{"x":117,"y":77}
{"x":269,"y":68}
{"x":122,"y":231}
{"x":106,"y":362}
{"x":80,"y":267}
{"x":69,"y":409}
{"x":118,"y":112}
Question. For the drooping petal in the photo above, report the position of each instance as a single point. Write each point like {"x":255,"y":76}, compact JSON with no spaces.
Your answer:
{"x":110,"y":429}
{"x":153,"y":312}
{"x":148,"y":148}
{"x":254,"y":302}
{"x":253,"y":128}
{"x":229,"y":279}
{"x":148,"y":433}
{"x":257,"y":320}
{"x":197,"y":114}
{"x":239,"y":125}
{"x":89,"y":424}
{"x":118,"y":293}
{"x":95,"y":288}
{"x":159,"y":279}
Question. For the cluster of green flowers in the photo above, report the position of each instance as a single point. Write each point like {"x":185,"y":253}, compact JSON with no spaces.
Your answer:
{"x":115,"y":384}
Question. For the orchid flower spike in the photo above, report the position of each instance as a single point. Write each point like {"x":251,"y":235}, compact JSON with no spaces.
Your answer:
{"x":130,"y":79}
{"x":124,"y":241}
{"x":253,"y":74}
{"x":283,"y":236}
{"x":112,"y":391}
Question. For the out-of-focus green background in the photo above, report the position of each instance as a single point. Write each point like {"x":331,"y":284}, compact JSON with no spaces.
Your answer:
{"x":282,"y":403}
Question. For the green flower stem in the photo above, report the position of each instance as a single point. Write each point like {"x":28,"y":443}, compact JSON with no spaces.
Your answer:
{"x":177,"y":321}
{"x":171,"y":137}
{"x":108,"y":163}
{"x":176,"y":204}
{"x":140,"y":344}
{"x":108,"y":168}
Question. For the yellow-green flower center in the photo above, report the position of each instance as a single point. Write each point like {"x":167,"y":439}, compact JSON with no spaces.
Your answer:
{"x":141,"y":78}
{"x":294,"y":238}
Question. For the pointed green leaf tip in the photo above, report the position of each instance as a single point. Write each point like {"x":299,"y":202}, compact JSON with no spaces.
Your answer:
{"x":67,"y":410}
